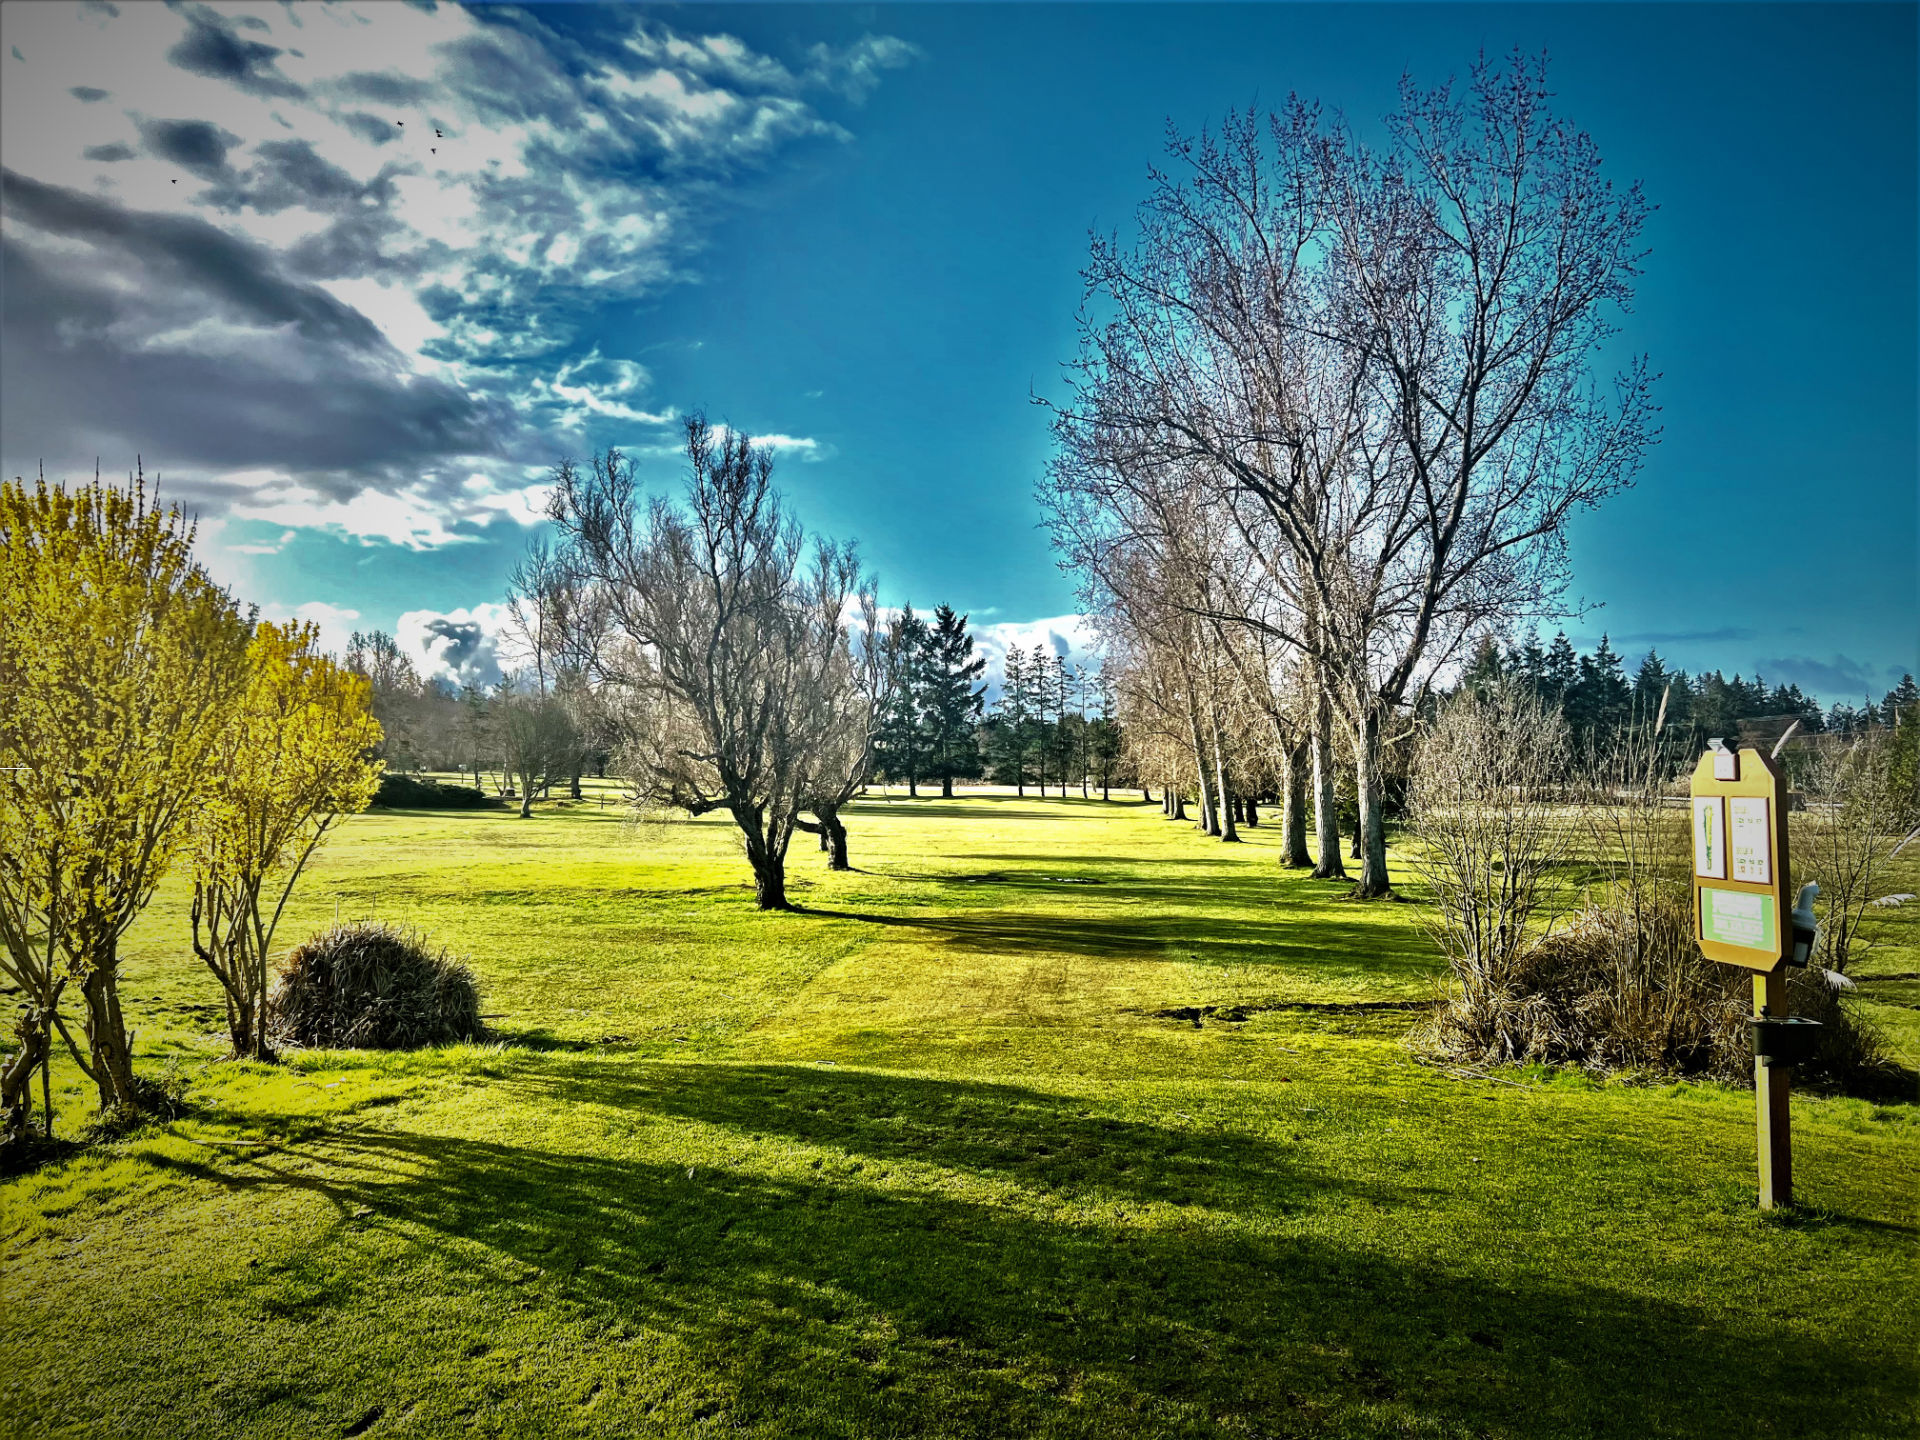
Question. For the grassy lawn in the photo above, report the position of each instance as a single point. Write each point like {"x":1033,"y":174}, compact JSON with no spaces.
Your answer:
{"x":930,"y":1159}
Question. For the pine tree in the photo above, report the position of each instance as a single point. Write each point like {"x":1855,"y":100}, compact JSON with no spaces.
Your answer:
{"x":950,"y":706}
{"x":1560,"y":671}
{"x":900,"y":740}
{"x":1898,"y":699}
{"x":1529,"y":665}
{"x":1039,"y":708}
{"x":1485,"y":670}
{"x":1601,"y":698}
{"x":1009,"y":725}
{"x":1716,"y":706}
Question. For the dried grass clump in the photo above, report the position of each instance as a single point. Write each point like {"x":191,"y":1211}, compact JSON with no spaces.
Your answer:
{"x":373,"y":986}
{"x":1616,"y":992}
{"x":1612,"y":990}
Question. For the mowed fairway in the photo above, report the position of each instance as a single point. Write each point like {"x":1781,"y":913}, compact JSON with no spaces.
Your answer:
{"x":925,"y":1161}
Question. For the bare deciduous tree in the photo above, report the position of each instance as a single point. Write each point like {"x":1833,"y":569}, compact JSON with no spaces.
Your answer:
{"x":1378,"y":361}
{"x":733,"y":663}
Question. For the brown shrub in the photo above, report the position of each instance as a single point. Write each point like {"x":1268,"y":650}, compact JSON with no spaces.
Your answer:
{"x":1615,"y":992}
{"x":373,"y":986}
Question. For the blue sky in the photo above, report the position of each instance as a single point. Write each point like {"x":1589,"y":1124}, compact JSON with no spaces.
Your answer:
{"x":858,"y":230}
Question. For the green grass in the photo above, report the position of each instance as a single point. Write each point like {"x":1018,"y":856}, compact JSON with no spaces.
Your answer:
{"x":925,"y":1160}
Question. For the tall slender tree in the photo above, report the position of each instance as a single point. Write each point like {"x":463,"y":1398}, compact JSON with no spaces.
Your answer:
{"x":901,"y":741}
{"x":950,"y":703}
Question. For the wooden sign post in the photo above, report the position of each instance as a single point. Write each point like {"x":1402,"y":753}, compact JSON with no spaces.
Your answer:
{"x":1740,"y":917}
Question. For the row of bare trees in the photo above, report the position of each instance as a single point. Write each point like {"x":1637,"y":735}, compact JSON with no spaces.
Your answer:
{"x":1332,"y":408}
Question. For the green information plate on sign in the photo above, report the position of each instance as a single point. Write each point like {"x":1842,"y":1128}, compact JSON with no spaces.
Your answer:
{"x":1735,"y":917}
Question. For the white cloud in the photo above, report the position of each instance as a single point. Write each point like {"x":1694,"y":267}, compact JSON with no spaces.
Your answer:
{"x":351,"y":245}
{"x":266,"y":547}
{"x":802,"y":446}
{"x":463,"y":645}
{"x":1068,"y":635}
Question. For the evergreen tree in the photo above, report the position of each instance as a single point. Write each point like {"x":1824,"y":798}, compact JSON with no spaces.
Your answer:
{"x":1486,"y":669}
{"x":1040,"y":709}
{"x":1105,"y":747}
{"x":1680,"y":703}
{"x":1560,"y":671}
{"x":1650,"y":684}
{"x":1600,"y":700}
{"x":1009,"y":726}
{"x":1898,"y":699}
{"x":1529,"y":665}
{"x":1716,"y":708}
{"x":950,"y":706}
{"x":900,"y":739}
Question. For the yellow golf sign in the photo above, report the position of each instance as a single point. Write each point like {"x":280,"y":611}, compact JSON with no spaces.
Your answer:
{"x":1740,"y":859}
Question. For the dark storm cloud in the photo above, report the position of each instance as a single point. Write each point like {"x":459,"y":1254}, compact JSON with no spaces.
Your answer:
{"x":463,"y":640}
{"x":289,"y":172}
{"x":168,"y":335}
{"x":397,"y":90}
{"x":210,"y":47}
{"x":87,"y":93}
{"x":181,"y":251}
{"x":115,"y":151}
{"x":461,"y":649}
{"x":371,"y":128}
{"x":196,"y":145}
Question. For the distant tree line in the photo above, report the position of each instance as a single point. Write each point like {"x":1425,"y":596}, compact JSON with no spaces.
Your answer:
{"x":1599,"y":699}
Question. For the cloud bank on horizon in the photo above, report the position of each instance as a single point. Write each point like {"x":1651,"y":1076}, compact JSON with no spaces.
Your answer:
{"x":327,"y":266}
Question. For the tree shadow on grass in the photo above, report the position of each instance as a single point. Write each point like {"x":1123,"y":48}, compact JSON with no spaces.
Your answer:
{"x":826,"y":1301}
{"x":1305,"y":943}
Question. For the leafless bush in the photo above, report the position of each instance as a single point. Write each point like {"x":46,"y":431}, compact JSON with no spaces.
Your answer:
{"x":1846,"y":837}
{"x":1482,"y":805}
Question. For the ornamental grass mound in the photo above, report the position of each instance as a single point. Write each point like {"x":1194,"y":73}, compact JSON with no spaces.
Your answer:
{"x":1615,"y":992}
{"x":373,"y":986}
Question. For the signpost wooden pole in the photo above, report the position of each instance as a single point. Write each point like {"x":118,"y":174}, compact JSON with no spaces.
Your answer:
{"x":1770,"y":1102}
{"x":1740,"y":917}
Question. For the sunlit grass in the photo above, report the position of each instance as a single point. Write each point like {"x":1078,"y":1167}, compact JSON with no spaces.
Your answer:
{"x":928,"y":1159}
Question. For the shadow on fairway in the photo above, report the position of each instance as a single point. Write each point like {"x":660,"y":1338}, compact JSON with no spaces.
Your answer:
{"x":1302,"y":943}
{"x":863,"y":1297}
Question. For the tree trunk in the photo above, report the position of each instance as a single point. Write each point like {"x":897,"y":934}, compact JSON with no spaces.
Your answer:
{"x":107,"y":1037}
{"x":1371,"y":831}
{"x":1293,"y":810}
{"x":16,"y":1079}
{"x":767,"y":854}
{"x":526,"y":801}
{"x":913,"y":786}
{"x":1207,"y":822}
{"x":1229,"y":832}
{"x":1326,"y":820}
{"x":946,"y":787}
{"x":573,"y":783}
{"x":1252,"y":816}
{"x":836,"y":834}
